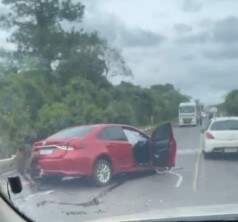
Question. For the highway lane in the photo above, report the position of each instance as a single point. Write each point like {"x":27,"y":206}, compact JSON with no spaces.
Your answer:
{"x":195,"y":181}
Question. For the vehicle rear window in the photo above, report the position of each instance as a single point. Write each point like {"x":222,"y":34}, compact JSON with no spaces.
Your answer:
{"x":225,"y":125}
{"x":187,"y":109}
{"x":113,"y":133}
{"x":80,"y":131}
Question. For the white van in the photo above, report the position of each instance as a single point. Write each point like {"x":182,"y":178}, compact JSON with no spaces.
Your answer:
{"x":187,"y":114}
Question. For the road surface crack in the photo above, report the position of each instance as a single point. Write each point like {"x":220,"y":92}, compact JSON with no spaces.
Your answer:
{"x":92,"y":202}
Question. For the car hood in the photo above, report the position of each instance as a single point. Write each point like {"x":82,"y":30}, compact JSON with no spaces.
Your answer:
{"x":197,"y":213}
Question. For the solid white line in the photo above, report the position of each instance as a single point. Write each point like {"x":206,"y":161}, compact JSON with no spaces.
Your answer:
{"x":39,"y":194}
{"x":180,"y":178}
{"x":196,"y":168}
{"x":187,"y":151}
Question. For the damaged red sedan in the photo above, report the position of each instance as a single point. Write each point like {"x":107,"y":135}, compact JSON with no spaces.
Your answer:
{"x":103,"y":150}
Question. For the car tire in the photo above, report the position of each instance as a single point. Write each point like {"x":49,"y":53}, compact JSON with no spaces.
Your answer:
{"x":102,"y":173}
{"x":207,"y":155}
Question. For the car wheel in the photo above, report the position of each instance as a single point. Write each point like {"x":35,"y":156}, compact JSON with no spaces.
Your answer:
{"x":102,"y":172}
{"x":207,"y":155}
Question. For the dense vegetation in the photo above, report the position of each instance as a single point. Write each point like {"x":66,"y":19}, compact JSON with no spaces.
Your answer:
{"x":230,"y":104}
{"x":58,"y":76}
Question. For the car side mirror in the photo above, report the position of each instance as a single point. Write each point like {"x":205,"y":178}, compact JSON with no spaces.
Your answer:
{"x":15,"y":184}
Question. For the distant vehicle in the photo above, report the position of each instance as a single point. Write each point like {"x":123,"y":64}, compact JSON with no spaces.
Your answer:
{"x":103,"y":150}
{"x":188,"y":114}
{"x":221,"y":136}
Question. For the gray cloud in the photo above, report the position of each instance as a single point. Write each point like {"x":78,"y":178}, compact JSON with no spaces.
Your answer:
{"x":182,"y":28}
{"x":222,"y":31}
{"x":140,"y":37}
{"x":119,"y":34}
{"x":187,"y":57}
{"x":200,"y":37}
{"x":191,"y":5}
{"x":221,"y":53}
{"x":218,"y":39}
{"x":226,"y":30}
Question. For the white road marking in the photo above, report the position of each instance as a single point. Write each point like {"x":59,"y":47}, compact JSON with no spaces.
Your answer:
{"x":180,"y":178}
{"x":196,"y":170}
{"x":187,"y":151}
{"x":196,"y":167}
{"x":39,"y":194}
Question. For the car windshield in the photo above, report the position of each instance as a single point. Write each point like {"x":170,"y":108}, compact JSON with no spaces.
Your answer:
{"x":80,"y":132}
{"x":187,"y":109}
{"x":225,"y":125}
{"x":106,"y":109}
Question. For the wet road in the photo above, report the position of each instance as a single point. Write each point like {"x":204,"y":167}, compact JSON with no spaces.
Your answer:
{"x":193,"y":182}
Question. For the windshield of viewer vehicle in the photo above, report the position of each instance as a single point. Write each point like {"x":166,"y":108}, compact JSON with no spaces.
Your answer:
{"x":115,"y":109}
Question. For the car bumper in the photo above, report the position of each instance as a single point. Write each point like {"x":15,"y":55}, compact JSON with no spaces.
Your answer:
{"x":221,"y":147}
{"x":64,"y":167}
{"x":192,"y":123}
{"x":187,"y":122}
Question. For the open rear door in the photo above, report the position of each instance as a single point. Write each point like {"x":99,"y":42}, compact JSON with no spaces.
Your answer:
{"x":163,"y":146}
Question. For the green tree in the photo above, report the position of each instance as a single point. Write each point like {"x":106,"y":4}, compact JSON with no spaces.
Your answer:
{"x":53,"y":117}
{"x":166,"y":100}
{"x":120,"y":112}
{"x":47,"y":37}
{"x":16,"y":113}
{"x":231,"y":101}
{"x":38,"y":30}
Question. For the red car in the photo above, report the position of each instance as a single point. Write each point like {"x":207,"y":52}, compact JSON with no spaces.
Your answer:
{"x":103,"y":150}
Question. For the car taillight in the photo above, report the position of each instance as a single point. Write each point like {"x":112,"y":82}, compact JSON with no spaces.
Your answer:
{"x":209,"y":136}
{"x":82,"y":146}
{"x":65,"y":147}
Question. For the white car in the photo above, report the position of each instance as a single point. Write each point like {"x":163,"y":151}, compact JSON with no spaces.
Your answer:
{"x":221,"y":136}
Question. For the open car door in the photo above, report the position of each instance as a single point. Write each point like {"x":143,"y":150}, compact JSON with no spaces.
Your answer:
{"x":163,"y":146}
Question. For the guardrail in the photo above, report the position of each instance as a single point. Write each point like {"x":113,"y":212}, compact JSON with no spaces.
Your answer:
{"x":7,"y":164}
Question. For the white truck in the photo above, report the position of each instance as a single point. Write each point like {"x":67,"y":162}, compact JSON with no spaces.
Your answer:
{"x":188,"y":114}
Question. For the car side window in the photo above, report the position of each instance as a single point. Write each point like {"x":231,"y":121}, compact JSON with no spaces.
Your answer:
{"x":134,"y":136}
{"x":113,"y":133}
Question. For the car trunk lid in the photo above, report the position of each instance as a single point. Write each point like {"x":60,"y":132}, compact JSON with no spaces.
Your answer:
{"x":225,"y":135}
{"x":51,"y":148}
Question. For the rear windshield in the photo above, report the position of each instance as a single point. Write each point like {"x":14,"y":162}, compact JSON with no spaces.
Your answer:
{"x":80,"y":131}
{"x":225,"y":125}
{"x":187,"y":109}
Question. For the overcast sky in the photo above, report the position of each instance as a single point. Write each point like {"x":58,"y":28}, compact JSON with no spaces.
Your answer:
{"x":192,"y":44}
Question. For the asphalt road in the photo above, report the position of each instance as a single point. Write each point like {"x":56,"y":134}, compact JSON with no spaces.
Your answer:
{"x":194,"y":182}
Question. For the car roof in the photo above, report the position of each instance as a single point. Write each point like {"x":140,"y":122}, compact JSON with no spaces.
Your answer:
{"x":115,"y":124}
{"x":102,"y":125}
{"x":224,"y":118}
